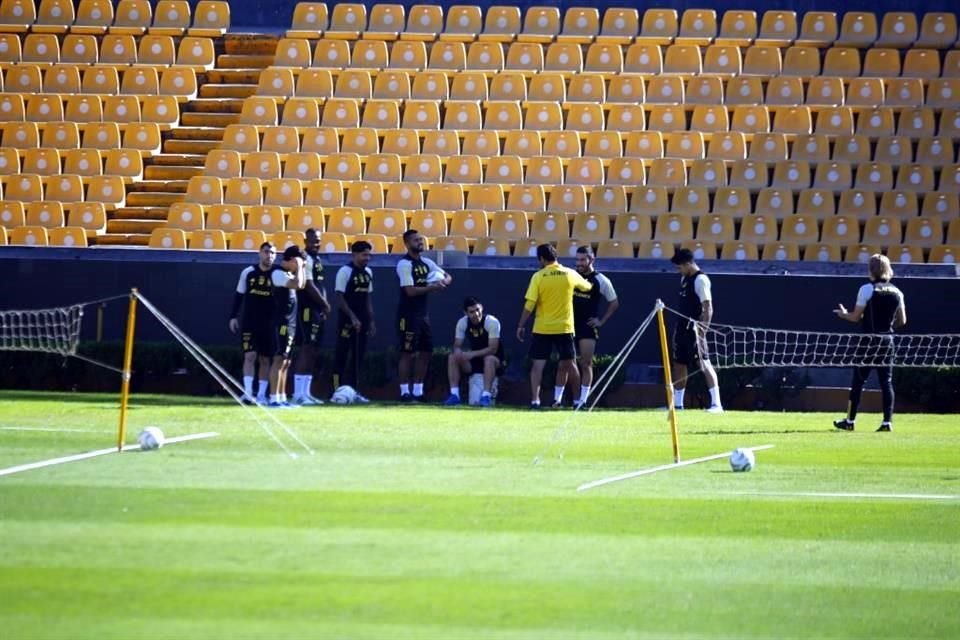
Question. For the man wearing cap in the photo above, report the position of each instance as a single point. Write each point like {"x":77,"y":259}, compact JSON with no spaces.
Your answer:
{"x":689,"y":350}
{"x":288,"y":276}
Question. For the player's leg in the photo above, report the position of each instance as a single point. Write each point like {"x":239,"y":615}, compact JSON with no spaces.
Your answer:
{"x":567,"y":371}
{"x":860,"y":375}
{"x":540,"y":348}
{"x":713,"y":386}
{"x":455,"y":366}
{"x":249,"y":368}
{"x":684,"y":358}
{"x":885,"y":378}
{"x":407,"y":339}
{"x":276,"y":365}
{"x":263,"y":377}
{"x":341,"y":352}
{"x":424,"y":345}
{"x":359,"y":353}
{"x":586,"y":347}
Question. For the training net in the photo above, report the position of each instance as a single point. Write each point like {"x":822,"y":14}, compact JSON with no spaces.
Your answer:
{"x":43,"y":330}
{"x":728,"y":346}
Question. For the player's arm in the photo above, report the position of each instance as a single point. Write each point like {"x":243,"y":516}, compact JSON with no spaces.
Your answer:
{"x":339,"y":288}
{"x":702,"y":287}
{"x":492,"y":325}
{"x":863,"y":296}
{"x":529,"y":304}
{"x":613,"y":302}
{"x":900,"y":317}
{"x":579,"y":282}
{"x":237,"y":302}
{"x":407,"y":285}
{"x":372,"y":328}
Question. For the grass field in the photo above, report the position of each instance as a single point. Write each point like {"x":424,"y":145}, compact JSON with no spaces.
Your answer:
{"x":428,"y":522}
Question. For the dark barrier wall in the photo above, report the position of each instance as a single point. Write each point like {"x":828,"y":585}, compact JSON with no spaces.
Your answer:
{"x":195,"y":290}
{"x":260,"y":15}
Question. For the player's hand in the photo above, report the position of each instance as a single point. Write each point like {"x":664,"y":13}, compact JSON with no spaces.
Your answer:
{"x":447,"y":279}
{"x":840,"y":310}
{"x":234,"y":325}
{"x":357,"y":325}
{"x":439,"y":286}
{"x":372,"y":330}
{"x":593,"y":323}
{"x":521,"y":333}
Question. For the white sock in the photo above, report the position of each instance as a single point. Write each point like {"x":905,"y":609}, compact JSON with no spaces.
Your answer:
{"x":584,"y":393}
{"x":262,"y":388}
{"x":307,"y":385}
{"x":485,"y":394}
{"x":297,"y":386}
{"x":455,"y":391}
{"x":274,"y":397}
{"x":558,"y":394}
{"x":715,"y":396}
{"x":248,"y":386}
{"x":282,"y":396}
{"x":404,"y":389}
{"x":418,"y":388}
{"x":678,"y":397}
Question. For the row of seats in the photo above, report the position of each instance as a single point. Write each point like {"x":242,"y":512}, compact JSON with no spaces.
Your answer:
{"x":90,"y":109}
{"x":180,"y":82}
{"x":144,"y":137}
{"x":108,"y":190}
{"x":820,"y":91}
{"x":86,"y":162}
{"x":583,"y":24}
{"x":606,"y":145}
{"x":114,"y":49}
{"x":640,"y":58}
{"x":89,"y":216}
{"x":36,"y":236}
{"x":732,"y":201}
{"x":172,"y":17}
{"x":924,"y":231}
{"x":506,"y":115}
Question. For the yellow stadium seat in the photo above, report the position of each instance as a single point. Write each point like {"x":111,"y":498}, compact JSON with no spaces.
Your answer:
{"x":731,"y":201}
{"x":527,"y":198}
{"x":29,"y":236}
{"x":171,"y":18}
{"x":485,"y":56}
{"x":40,"y":48}
{"x":284,"y":192}
{"x":698,"y":27}
{"x":758,"y":228}
{"x":62,"y":79}
{"x":835,"y":121}
{"x":295,"y":52}
{"x":835,"y":176}
{"x":261,"y":164}
{"x":550,"y":86}
{"x":204,"y":190}
{"x":143,"y":137}
{"x":691,"y":201}
{"x":665,"y":90}
{"x":510,"y":225}
{"x":944,"y":254}
{"x":408,"y":55}
{"x":424,"y":167}
{"x":508,"y":86}
{"x":341,"y":112}
{"x":393,"y":85}
{"x":586,"y":171}
{"x":824,"y":91}
{"x":429,"y":221}
{"x":603,"y":144}
{"x":950,"y":123}
{"x":524,"y":144}
{"x":902,"y":204}
{"x":778,"y":28}
{"x":710,"y":119}
{"x":369,"y":54}
{"x":740,"y":251}
{"x":118,"y":49}
{"x":424,"y":23}
{"x":79,"y":49}
{"x":875,"y":176}
{"x":937,"y":31}
{"x":211,"y":18}
{"x":140,"y":81}
{"x":953,"y":231}
{"x":791,"y":174}
{"x":448,"y":56}
{"x":762,"y":61}
{"x":619,"y":26}
{"x":485,"y":144}
{"x":936,"y":151}
{"x":299,"y":219}
{"x":93,"y":17}
{"x":208,"y":240}
{"x":347,"y":21}
{"x":24,"y":79}
{"x":865,"y":92}
{"x":604,"y":58}
{"x":749,"y":174}
{"x":608,"y":199}
{"x":464,"y":23}
{"x":841,"y":62}
{"x":109,"y":190}
{"x":121,"y":109}
{"x":564,"y":58}
{"x":548,"y":226}
{"x":156,"y":50}
{"x":463,"y":115}
{"x":750,"y":119}
{"x":342,"y":166}
{"x":489,"y":246}
{"x":545,"y":170}
{"x":905,"y":255}
{"x":83,"y":162}
{"x":430,"y":85}
{"x":12,"y":214}
{"x":331,"y":243}
{"x":815,"y":252}
{"x":562,"y":144}
{"x":742,"y":90}
{"x":727,"y":146}
{"x":800,"y":229}
{"x":225,"y":217}
{"x":922,"y":63}
{"x":632,"y":227}
{"x":858,"y":204}
{"x":382,"y":114}
{"x":840,"y":230}
{"x":895,"y":150}
{"x":328,"y":54}
{"x":858,"y":29}
{"x":686,"y":145}
{"x":524,"y":57}
{"x":43,"y":109}
{"x":17,"y":16}
{"x":585,"y":117}
{"x":100,"y":80}
{"x":915,"y":177}
{"x":101,"y":135}
{"x":708,"y":173}
{"x":386,"y":22}
{"x":402,"y":142}
{"x":324,"y":193}
{"x":300,"y":113}
{"x":445,"y":196}
{"x":24,"y":188}
{"x":10,"y":49}
{"x":281,"y":139}
{"x":898,"y":30}
{"x":722,"y":60}
{"x":626,"y":118}
{"x":673,"y":227}
{"x":950,"y":179}
{"x":682,"y":59}
{"x":302,"y":166}
{"x":643,"y":58}
{"x":502,"y":24}
{"x":310,"y":20}
{"x":904,"y":92}
{"x":185,"y":215}
{"x":737,"y":28}
{"x":389,"y":222}
{"x":91,"y":217}
{"x":882,"y":231}
{"x":704,"y":90}
{"x":818,"y":29}
{"x":180,"y":82}
{"x":197,"y":53}
{"x":470,"y":223}
{"x":241,"y":137}
{"x":45,"y":214}
{"x":659,"y":26}
{"x":404,"y":195}
{"x":542,"y":25}
{"x":785,"y":90}
{"x":64,"y":188}
{"x":9,"y":161}
{"x":503,"y":116}
{"x":267,"y":218}
{"x":882,"y":63}
{"x":816,"y":203}
{"x":626,"y":171}
{"x":365,"y":195}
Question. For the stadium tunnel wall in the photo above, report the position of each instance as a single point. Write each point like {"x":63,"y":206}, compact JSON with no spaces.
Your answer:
{"x":260,"y":15}
{"x":195,"y":290}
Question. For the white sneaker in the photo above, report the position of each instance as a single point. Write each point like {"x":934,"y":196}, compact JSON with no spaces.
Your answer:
{"x":312,"y":400}
{"x":361,"y":399}
{"x":304,"y":401}
{"x":715,"y":409}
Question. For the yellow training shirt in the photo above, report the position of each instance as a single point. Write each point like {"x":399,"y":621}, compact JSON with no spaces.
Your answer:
{"x":550,"y":296}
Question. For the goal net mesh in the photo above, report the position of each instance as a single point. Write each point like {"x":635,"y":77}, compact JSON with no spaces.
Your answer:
{"x":728,"y":346}
{"x":43,"y":330}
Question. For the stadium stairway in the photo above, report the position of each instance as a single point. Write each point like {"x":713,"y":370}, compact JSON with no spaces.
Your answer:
{"x":220,"y":94}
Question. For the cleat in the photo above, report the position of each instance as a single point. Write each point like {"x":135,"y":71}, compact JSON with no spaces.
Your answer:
{"x":418,"y":399}
{"x":247,"y":400}
{"x":885,"y":427}
{"x":361,"y":399}
{"x":579,"y":406}
{"x":273,"y":404}
{"x":843,"y":425}
{"x":715,"y":409}
{"x":534,"y":406}
{"x":314,"y":400}
{"x":486,"y":400}
{"x":452,"y":401}
{"x":304,"y":401}
{"x":407,"y":398}
{"x":558,"y":404}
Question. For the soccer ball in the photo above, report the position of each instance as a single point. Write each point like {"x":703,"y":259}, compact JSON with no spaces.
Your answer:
{"x":151,"y":438}
{"x":344,"y":394}
{"x":435,"y":276}
{"x":742,"y":460}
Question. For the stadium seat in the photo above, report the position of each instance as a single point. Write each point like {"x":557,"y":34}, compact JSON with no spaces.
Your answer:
{"x":83,"y":162}
{"x":841,"y":230}
{"x":42,"y":162}
{"x":860,"y":253}
{"x":369,"y":54}
{"x":156,"y":50}
{"x":563,"y":58}
{"x":24,"y":188}
{"x":548,"y":226}
{"x":29,"y":236}
{"x":502,"y":24}
{"x":225,"y":217}
{"x":902,"y":204}
{"x":691,"y":201}
{"x":619,"y":26}
{"x":758,"y":228}
{"x":603,"y":144}
{"x":197,"y":53}
{"x":299,"y":219}
{"x":171,"y":18}
{"x":100,"y":80}
{"x":302,"y":166}
{"x":924,"y":231}
{"x":285,"y":192}
{"x":424,"y":23}
{"x":567,"y":198}
{"x":91,"y":217}
{"x":79,"y":49}
{"x":167,"y":238}
{"x":882,"y":231}
{"x":331,"y":243}
{"x":208,"y":240}
{"x":858,"y":29}
{"x":12,"y":214}
{"x":881,"y":63}
{"x":109,"y":190}
{"x":204,"y":190}
{"x":310,"y":20}
{"x":504,"y":170}
{"x":327,"y":54}
{"x":93,"y":17}
{"x":944,"y":254}
{"x":800,"y":229}
{"x":750,"y":119}
{"x":464,"y":23}
{"x":140,"y":81}
{"x":430,"y":221}
{"x":211,"y":18}
{"x":825,"y":91}
{"x":673,"y":227}
{"x":626,"y":171}
{"x":262,"y":164}
{"x":444,"y":143}
{"x":527,"y":198}
{"x":780,"y":251}
{"x":898,"y":30}
{"x":775,"y":202}
{"x":874,"y":177}
{"x":347,"y":21}
{"x":46,"y":214}
{"x":643,"y":58}
{"x":937,"y":31}
{"x":186,"y":215}
{"x":267,"y":218}
{"x":704,"y":90}
{"x":633,"y":227}
{"x":445,"y":196}
{"x":841,"y":62}
{"x":835,"y":121}
{"x":393,"y":85}
{"x":471,"y":223}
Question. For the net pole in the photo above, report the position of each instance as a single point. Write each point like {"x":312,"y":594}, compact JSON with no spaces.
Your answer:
{"x":127,"y":363}
{"x":668,"y":381}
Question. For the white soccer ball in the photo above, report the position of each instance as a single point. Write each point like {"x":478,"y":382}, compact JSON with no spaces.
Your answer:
{"x":435,"y":276}
{"x":345,"y":394}
{"x":742,"y":460}
{"x":151,"y":438}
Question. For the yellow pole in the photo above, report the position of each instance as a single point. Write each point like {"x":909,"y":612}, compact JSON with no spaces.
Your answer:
{"x":668,"y":381}
{"x":127,"y":362}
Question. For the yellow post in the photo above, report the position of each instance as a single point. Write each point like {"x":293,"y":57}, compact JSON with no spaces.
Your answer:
{"x":668,"y":381}
{"x":127,"y":362}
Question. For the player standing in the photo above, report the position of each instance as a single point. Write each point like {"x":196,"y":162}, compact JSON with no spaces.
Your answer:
{"x":354,"y":299}
{"x":313,"y":310}
{"x":696,"y":303}
{"x":286,"y":277}
{"x":481,"y":332}
{"x":550,"y":295}
{"x":416,"y":338}
{"x":254,"y":294}
{"x":587,"y":321}
{"x":880,"y":309}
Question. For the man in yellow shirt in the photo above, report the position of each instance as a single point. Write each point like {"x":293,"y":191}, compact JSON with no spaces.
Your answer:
{"x":550,"y":296}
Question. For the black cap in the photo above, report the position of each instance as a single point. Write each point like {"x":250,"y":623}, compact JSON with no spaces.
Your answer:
{"x":293,"y":251}
{"x":682,"y":256}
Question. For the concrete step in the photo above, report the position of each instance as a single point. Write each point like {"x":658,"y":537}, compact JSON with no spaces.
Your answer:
{"x":133,"y":226}
{"x":158,"y":186}
{"x":250,"y":44}
{"x":123,"y":239}
{"x":139,"y":213}
{"x":233,"y":76}
{"x":228,"y":61}
{"x":219,"y":120}
{"x":196,"y":133}
{"x":190,"y":146}
{"x":167,"y":172}
{"x":175,"y":160}
{"x":213,"y":105}
{"x":219,"y":91}
{"x":153,"y":199}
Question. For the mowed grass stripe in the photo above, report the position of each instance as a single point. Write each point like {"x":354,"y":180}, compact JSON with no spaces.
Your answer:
{"x":733,"y":516}
{"x":649,"y":602}
{"x":503,"y":556}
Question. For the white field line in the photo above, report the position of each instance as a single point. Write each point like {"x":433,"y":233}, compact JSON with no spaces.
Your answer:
{"x":663,"y":467}
{"x":832,"y":494}
{"x":56,"y":430}
{"x":99,"y":452}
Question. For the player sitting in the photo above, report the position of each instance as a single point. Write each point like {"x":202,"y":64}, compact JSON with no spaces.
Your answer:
{"x":483,"y":361}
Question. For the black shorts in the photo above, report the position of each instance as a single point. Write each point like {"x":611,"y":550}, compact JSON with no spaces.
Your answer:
{"x":543,"y":344}
{"x":309,"y":327}
{"x":269,"y":339}
{"x":583,"y":331}
{"x":685,"y":346}
{"x":476,"y":366}
{"x":415,"y":334}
